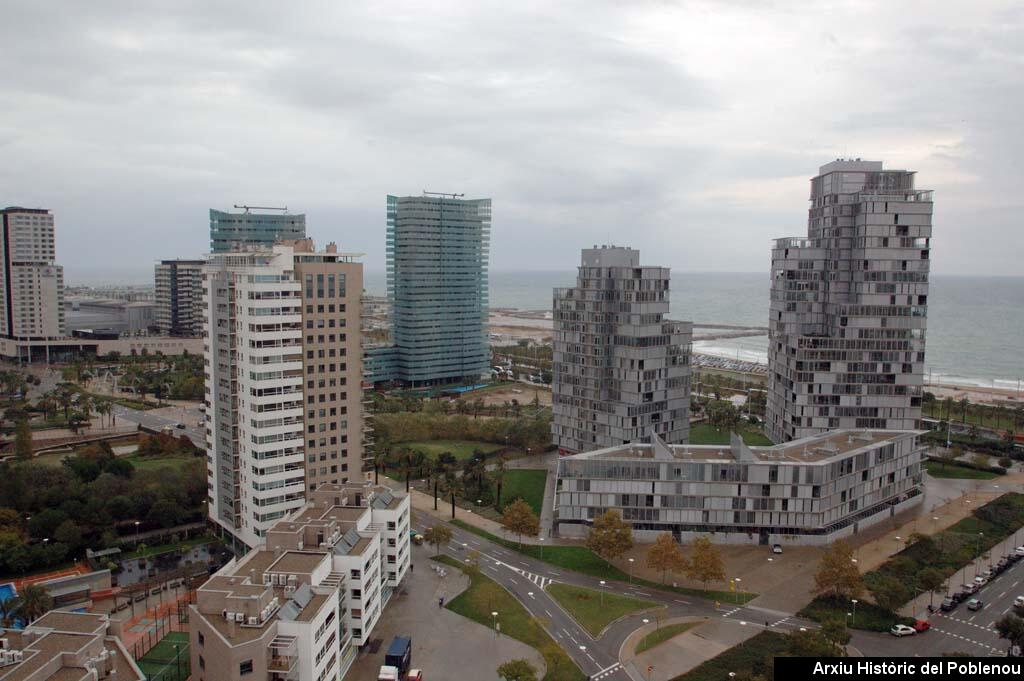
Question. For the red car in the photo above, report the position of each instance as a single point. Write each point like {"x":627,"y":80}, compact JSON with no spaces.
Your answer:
{"x":922,"y":625}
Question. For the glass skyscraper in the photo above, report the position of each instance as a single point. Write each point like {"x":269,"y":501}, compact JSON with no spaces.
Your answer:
{"x":241,"y":231}
{"x":437,"y":251}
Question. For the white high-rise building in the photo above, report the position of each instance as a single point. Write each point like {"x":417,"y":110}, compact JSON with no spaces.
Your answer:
{"x":621,"y":369}
{"x":283,"y":381}
{"x":32,"y":285}
{"x":849,"y":306}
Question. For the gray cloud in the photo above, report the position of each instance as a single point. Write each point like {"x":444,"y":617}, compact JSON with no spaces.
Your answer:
{"x":686,"y":129}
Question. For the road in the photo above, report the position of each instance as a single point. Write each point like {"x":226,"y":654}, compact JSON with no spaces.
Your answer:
{"x":192,"y":418}
{"x":526,"y":578}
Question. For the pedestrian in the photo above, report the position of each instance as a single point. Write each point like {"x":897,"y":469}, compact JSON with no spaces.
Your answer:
{"x":412,"y":567}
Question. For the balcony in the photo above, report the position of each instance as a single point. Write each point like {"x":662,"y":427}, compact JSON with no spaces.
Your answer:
{"x":283,"y":658}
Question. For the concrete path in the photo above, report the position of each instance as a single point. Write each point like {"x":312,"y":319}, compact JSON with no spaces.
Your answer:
{"x":682,"y":653}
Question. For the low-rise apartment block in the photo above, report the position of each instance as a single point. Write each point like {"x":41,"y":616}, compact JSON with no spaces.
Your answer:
{"x":72,"y":646}
{"x":298,"y":606}
{"x":809,"y":491}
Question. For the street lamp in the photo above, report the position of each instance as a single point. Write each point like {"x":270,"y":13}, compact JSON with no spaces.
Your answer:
{"x":541,"y":548}
{"x":602,"y":593}
{"x":738,"y":580}
{"x":853,"y":617}
{"x":494,"y":614}
{"x":137,"y":523}
{"x":630,"y":570}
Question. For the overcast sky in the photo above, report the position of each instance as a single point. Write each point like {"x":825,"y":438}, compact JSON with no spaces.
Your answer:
{"x":688,"y":130}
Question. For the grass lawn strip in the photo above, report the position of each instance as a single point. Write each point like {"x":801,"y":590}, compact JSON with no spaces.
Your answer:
{"x":706,"y":434}
{"x":662,"y":634}
{"x":460,"y":449}
{"x":585,"y":561}
{"x":183,"y":545}
{"x":753,"y":655}
{"x":594,"y":610}
{"x":937,"y":469}
{"x":527,"y":484}
{"x":485,"y":596}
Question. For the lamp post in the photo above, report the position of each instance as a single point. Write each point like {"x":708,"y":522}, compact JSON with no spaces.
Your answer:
{"x":541,"y":548}
{"x":853,"y":616}
{"x":738,"y":580}
{"x":630,"y":570}
{"x":137,"y":523}
{"x":602,"y":593}
{"x":494,"y":614}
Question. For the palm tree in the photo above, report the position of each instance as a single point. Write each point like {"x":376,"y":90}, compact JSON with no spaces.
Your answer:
{"x":35,"y":602}
{"x":380,"y":463}
{"x":964,"y":404}
{"x":499,"y":480}
{"x":453,"y":485}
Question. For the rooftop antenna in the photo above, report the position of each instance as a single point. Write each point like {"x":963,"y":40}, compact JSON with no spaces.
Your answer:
{"x":247,"y":209}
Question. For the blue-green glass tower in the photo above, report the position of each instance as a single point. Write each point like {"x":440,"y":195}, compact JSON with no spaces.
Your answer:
{"x":240,"y":231}
{"x":437,"y":251}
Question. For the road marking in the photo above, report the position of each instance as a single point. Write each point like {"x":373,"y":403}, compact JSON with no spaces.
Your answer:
{"x":680,"y":600}
{"x":606,"y":672}
{"x":641,"y":593}
{"x":1001,"y":595}
{"x":591,"y":658}
{"x":547,"y":612}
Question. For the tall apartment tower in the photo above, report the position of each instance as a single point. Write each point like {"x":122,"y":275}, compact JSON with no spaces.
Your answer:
{"x":437,"y":248}
{"x":32,"y":285}
{"x":621,"y":369}
{"x":849,"y":306}
{"x":283,"y":380}
{"x":179,"y":297}
{"x":246,"y":230}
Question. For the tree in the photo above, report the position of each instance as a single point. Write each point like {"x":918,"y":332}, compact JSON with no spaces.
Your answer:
{"x":837,"y":574}
{"x":666,"y":555}
{"x":34,"y":602}
{"x":517,"y":670}
{"x":810,"y":644}
{"x":438,"y":536}
{"x":1010,"y":627}
{"x":164,"y":513}
{"x":982,"y":460}
{"x":835,"y":632}
{"x":931,"y":580}
{"x":964,"y":405}
{"x":519,"y":519}
{"x":23,"y":440}
{"x":705,"y":563}
{"x":889,"y":593}
{"x":610,"y":537}
{"x":948,"y":456}
{"x":8,"y":611}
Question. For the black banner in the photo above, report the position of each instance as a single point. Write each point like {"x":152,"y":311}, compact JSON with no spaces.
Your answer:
{"x":897,"y":668}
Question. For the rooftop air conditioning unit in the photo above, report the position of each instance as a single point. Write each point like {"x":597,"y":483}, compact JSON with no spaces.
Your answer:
{"x":239,"y":616}
{"x":17,"y":654}
{"x":253,"y":621}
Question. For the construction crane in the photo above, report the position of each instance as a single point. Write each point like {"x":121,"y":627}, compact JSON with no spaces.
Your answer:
{"x":447,"y":195}
{"x":250,"y":208}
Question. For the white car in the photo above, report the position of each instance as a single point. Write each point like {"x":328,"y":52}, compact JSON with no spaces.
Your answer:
{"x":901,"y":630}
{"x":1018,"y":602}
{"x":776,"y":548}
{"x":1019,"y":551}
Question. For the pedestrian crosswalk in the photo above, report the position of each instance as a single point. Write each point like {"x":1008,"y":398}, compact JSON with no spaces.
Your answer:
{"x":608,"y":671}
{"x":539,"y":580}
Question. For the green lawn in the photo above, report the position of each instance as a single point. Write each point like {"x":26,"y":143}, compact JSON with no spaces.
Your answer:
{"x":937,"y":469}
{"x":595,"y":610}
{"x":460,"y":449}
{"x":662,"y":634}
{"x":485,"y":596}
{"x":869,"y":616}
{"x":753,"y":656}
{"x":149,"y":462}
{"x":706,"y":434}
{"x":527,"y":484}
{"x":583,"y":560}
{"x":166,"y":548}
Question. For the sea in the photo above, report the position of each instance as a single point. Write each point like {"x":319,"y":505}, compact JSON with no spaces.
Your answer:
{"x":975,"y":324}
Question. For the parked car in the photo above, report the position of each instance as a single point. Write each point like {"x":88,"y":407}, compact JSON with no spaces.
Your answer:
{"x":975,"y":604}
{"x":776,"y":548}
{"x":1018,"y":602}
{"x":970,"y":588}
{"x":1019,"y":551}
{"x":179,"y":425}
{"x":980,"y":581}
{"x":988,"y":573}
{"x":922,"y":625}
{"x":415,"y":675}
{"x":960,"y":597}
{"x":901,"y":630}
{"x":948,"y":603}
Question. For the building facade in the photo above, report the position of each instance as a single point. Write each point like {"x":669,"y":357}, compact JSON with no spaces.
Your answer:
{"x":246,"y":230}
{"x":809,"y":491}
{"x":301,"y":603}
{"x":437,"y":255}
{"x":283,"y":381}
{"x":179,"y":297}
{"x":849,"y":306}
{"x":621,"y":369}
{"x":32,"y":285}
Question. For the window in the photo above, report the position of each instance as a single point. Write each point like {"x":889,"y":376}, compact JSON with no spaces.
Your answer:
{"x":245,"y":667}
{"x":200,"y":638}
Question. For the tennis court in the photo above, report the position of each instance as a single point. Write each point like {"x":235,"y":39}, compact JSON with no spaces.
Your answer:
{"x":168,"y":660}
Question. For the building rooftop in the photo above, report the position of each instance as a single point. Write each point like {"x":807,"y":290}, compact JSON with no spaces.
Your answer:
{"x":813,"y":449}
{"x":298,"y":562}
